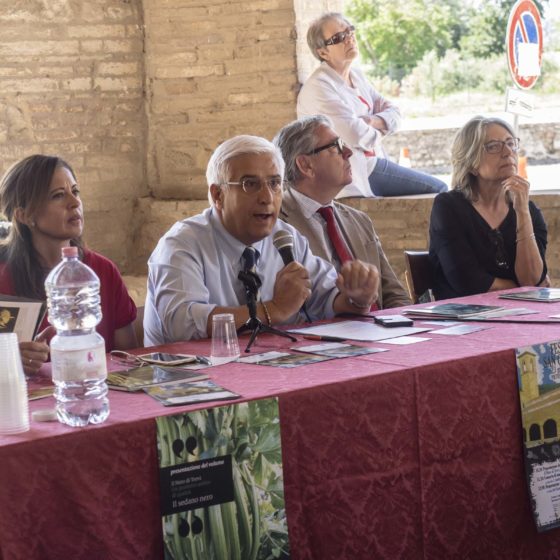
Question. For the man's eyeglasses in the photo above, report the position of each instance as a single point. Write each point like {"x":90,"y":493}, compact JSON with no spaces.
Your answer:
{"x":340,"y":37}
{"x":252,"y":185}
{"x":338,"y":144}
{"x":497,"y":146}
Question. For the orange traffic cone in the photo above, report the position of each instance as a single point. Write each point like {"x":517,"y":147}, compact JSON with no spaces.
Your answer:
{"x":522,"y":167}
{"x":404,"y":158}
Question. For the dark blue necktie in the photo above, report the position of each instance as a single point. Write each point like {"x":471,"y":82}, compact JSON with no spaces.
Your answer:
{"x":250,"y":257}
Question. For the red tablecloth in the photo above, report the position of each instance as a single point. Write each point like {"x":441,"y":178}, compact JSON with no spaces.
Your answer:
{"x":411,"y":453}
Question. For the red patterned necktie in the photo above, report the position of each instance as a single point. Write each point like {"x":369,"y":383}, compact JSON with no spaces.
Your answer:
{"x":341,"y":248}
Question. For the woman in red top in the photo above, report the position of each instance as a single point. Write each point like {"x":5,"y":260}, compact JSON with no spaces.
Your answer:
{"x":41,"y":198}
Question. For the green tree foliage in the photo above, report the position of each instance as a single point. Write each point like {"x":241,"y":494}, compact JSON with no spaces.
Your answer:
{"x":486,"y":30}
{"x":395,"y":36}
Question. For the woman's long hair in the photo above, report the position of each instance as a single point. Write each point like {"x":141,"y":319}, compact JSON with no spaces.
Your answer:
{"x":26,"y":185}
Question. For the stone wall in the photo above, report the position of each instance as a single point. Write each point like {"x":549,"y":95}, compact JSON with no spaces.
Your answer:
{"x":71,"y":84}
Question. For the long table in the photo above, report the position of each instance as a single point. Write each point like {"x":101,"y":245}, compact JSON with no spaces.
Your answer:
{"x":411,"y":453}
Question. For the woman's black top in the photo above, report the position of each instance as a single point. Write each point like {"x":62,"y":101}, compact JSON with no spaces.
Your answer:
{"x":467,"y":253}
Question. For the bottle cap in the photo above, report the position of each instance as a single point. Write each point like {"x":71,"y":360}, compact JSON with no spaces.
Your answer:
{"x":70,"y":251}
{"x":44,"y":415}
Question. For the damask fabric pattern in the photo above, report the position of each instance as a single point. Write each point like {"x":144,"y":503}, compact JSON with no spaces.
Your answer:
{"x":435,"y":487}
{"x":405,"y":454}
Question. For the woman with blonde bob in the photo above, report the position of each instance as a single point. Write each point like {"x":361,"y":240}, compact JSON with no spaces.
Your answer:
{"x":486,"y":234}
{"x":40,"y":196}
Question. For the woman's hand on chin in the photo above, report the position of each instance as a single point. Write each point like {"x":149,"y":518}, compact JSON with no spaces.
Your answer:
{"x":518,"y":189}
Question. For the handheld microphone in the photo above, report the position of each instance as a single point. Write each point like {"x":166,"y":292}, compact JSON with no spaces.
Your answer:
{"x":284,"y":243}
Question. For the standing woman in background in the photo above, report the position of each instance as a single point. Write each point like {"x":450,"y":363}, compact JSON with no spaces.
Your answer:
{"x":486,"y":234}
{"x":360,"y":115}
{"x":41,"y":199}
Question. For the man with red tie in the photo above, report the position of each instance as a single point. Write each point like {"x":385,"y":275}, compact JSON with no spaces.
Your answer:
{"x":317,"y":169}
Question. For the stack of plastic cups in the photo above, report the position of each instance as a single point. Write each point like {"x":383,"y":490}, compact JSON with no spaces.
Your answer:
{"x":14,"y":414}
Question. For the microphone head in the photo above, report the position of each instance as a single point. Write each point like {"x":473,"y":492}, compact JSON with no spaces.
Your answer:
{"x":283,"y":239}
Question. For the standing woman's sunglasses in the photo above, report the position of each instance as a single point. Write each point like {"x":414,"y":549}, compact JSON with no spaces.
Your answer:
{"x":340,"y":36}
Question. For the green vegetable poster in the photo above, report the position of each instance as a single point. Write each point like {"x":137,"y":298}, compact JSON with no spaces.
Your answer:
{"x":221,"y":483}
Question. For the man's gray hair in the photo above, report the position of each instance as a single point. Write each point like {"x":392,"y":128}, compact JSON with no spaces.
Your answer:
{"x":466,"y":153}
{"x":297,"y":138}
{"x":315,"y":38}
{"x":218,"y":171}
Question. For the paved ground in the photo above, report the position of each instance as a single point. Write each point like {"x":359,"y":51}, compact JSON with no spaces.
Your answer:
{"x":540,"y":115}
{"x":541,"y":177}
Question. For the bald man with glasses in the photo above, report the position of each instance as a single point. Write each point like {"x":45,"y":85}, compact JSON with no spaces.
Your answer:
{"x":317,"y":169}
{"x":200,"y":266}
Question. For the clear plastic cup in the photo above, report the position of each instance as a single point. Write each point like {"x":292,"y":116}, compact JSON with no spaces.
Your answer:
{"x":14,"y":412}
{"x":225,"y":347}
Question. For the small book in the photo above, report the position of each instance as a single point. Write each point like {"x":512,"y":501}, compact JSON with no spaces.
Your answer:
{"x":22,"y":316}
{"x":453,"y":311}
{"x":189,"y":392}
{"x":138,"y":378}
{"x":548,"y":295}
{"x":36,"y":393}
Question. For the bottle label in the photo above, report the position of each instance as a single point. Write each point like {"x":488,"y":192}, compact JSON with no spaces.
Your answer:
{"x":79,"y":365}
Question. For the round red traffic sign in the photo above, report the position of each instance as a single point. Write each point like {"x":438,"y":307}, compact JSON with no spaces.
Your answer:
{"x":524,"y":33}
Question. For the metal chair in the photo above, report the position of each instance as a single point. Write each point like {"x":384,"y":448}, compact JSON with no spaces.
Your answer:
{"x":419,"y":276}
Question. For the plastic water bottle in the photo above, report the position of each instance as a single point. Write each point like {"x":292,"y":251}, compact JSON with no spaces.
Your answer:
{"x":79,"y":367}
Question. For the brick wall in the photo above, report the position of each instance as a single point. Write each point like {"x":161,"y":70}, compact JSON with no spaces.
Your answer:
{"x":71,"y":84}
{"x":214,"y":69}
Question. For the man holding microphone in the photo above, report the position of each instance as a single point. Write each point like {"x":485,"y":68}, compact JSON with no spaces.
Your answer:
{"x":193,"y":271}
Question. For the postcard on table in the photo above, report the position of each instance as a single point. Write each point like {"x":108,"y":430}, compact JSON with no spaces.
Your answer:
{"x":338,"y":349}
{"x":404,"y":340}
{"x":189,"y":392}
{"x":452,"y":310}
{"x":283,"y":359}
{"x":458,"y":330}
{"x":39,"y":392}
{"x":145,"y":376}
{"x":548,"y":295}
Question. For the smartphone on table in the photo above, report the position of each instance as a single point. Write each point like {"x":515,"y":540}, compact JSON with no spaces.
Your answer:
{"x":393,"y":321}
